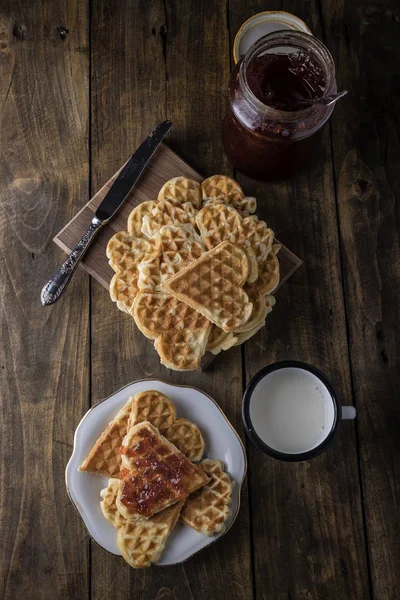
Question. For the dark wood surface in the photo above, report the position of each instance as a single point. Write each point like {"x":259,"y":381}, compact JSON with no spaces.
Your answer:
{"x":73,"y":105}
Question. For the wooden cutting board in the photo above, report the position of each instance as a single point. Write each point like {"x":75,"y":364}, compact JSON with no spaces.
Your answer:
{"x":164,"y":165}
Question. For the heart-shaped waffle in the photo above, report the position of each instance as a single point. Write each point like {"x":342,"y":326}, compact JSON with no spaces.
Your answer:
{"x":208,"y":509}
{"x":158,"y":409}
{"x":213,"y":286}
{"x":108,"y":505}
{"x":142,"y":541}
{"x":168,"y":212}
{"x":218,"y":222}
{"x":154,"y":473}
{"x":220,"y":188}
{"x":125,"y":252}
{"x":258,"y":300}
{"x":219,"y":340}
{"x":243,"y":336}
{"x":183,"y":190}
{"x":105,"y":458}
{"x":179,"y":331}
{"x":136,"y":217}
{"x":268,"y":273}
{"x":166,"y":240}
{"x":258,"y":235}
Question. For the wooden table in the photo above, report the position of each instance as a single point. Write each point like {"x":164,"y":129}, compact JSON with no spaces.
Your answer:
{"x":81,"y":85}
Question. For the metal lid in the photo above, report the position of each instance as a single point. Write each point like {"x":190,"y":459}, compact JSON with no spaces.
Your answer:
{"x":262,"y":24}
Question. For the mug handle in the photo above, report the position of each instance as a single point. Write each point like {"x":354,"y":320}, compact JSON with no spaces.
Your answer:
{"x":348,"y":412}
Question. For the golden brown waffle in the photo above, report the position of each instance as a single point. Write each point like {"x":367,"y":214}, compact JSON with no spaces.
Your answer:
{"x":163,"y":246}
{"x":158,"y":409}
{"x":220,"y":188}
{"x":136,"y":217}
{"x":186,"y":436}
{"x":258,"y":236}
{"x":168,"y":212}
{"x":268,"y":273}
{"x":154,"y":473}
{"x":154,"y":407}
{"x":179,"y":331}
{"x":179,"y":245}
{"x":258,"y":300}
{"x":108,"y":503}
{"x":183,"y":190}
{"x":246,"y":335}
{"x":141,"y":542}
{"x":208,"y":509}
{"x":104,"y":458}
{"x":125,"y":252}
{"x":218,"y":222}
{"x":253,"y":265}
{"x":212,"y":285}
{"x":219,"y":340}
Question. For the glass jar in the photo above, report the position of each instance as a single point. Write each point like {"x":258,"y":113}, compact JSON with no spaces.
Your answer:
{"x":265,"y":135}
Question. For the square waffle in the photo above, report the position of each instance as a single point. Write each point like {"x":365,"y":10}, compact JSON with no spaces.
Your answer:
{"x":212,"y":285}
{"x":154,"y":473}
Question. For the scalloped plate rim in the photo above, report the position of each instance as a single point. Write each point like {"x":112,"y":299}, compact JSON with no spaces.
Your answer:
{"x":237,"y":487}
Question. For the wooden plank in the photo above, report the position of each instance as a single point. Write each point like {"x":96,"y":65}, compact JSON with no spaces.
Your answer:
{"x":307,"y":518}
{"x":364,"y":40}
{"x":165,"y":165}
{"x":156,"y":60}
{"x":44,"y":370}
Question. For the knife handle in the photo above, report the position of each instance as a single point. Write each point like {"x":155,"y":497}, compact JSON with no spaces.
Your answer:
{"x":54,"y":288}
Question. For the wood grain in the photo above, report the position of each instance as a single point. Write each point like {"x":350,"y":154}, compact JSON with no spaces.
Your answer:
{"x":44,"y":363}
{"x":310,"y":531}
{"x":310,"y":512}
{"x":156,"y":55}
{"x":364,"y":39}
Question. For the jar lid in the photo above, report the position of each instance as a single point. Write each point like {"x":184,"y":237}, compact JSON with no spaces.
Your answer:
{"x":261,"y":24}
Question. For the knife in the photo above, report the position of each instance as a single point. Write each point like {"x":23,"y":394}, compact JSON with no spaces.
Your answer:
{"x":113,"y":200}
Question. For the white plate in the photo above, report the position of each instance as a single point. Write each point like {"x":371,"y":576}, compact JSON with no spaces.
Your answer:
{"x":221,"y":442}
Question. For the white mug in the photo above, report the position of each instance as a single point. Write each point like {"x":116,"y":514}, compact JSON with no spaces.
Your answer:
{"x":292,"y":412}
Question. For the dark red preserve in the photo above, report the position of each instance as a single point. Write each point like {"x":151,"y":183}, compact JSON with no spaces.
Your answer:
{"x":265,"y":133}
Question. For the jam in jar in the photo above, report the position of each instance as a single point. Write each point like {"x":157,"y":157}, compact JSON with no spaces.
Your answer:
{"x":267,"y":133}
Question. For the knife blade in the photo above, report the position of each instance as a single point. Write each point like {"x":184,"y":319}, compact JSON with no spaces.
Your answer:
{"x":113,"y":200}
{"x":131,"y":172}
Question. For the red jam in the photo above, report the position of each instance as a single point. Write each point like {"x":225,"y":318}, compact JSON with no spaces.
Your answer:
{"x":154,"y":479}
{"x":281,"y":81}
{"x":266,"y":133}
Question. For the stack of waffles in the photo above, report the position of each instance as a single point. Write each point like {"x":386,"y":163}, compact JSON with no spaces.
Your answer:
{"x":196,"y":269}
{"x":157,"y":475}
